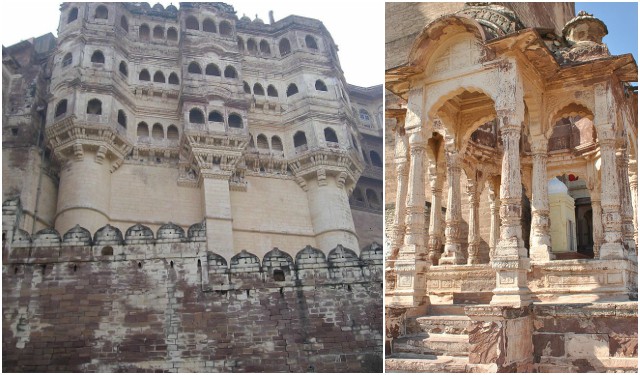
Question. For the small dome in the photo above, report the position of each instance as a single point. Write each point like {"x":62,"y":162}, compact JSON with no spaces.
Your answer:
{"x":172,"y":8}
{"x":245,"y":18}
{"x":585,"y":28}
{"x":557,"y":187}
{"x":258,"y":20}
{"x":158,"y":7}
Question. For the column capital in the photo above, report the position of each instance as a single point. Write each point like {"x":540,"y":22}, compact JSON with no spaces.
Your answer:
{"x":539,"y":147}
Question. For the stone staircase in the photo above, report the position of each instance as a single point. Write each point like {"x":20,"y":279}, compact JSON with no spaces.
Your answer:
{"x":438,"y":342}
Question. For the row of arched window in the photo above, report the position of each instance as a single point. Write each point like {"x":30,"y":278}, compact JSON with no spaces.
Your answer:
{"x":208,"y":25}
{"x":263,"y":48}
{"x":144,"y":31}
{"x":212,"y":70}
{"x":262,"y":142}
{"x":196,"y":116}
{"x":373,"y":159}
{"x":157,"y":131}
{"x":292,"y":89}
{"x":372,"y":198}
{"x":101,"y":13}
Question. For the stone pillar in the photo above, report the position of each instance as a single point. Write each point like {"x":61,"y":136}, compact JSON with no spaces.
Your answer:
{"x":330,"y":213}
{"x":540,"y":240}
{"x":625,"y":201}
{"x":633,"y":187}
{"x":452,"y":247}
{"x":474,"y":222}
{"x":84,"y":193}
{"x":596,"y":209}
{"x":611,"y":219}
{"x":415,"y":228}
{"x":435,"y":241}
{"x":402,"y":173}
{"x":494,"y":208}
{"x":411,"y":265}
{"x":510,"y":260}
{"x":216,"y":199}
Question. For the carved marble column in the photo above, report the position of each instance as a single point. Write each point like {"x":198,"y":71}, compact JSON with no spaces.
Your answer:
{"x":510,"y":260}
{"x":596,"y":209}
{"x":633,"y":186}
{"x":611,"y":219}
{"x":494,"y":208}
{"x":452,"y":247}
{"x":402,"y":173}
{"x":540,"y":240}
{"x":474,"y":222}
{"x":625,"y":201}
{"x":435,"y":242}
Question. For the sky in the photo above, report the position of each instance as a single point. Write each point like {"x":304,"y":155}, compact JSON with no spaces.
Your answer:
{"x":357,"y":27}
{"x":622,"y":22}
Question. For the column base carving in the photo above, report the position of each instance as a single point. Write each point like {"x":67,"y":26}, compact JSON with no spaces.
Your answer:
{"x":452,"y":255}
{"x":541,"y":253}
{"x":511,"y":282}
{"x":473,"y":252}
{"x":410,"y":284}
{"x":612,"y":251}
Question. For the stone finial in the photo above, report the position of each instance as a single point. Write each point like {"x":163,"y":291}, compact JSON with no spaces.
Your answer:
{"x":584,"y":28}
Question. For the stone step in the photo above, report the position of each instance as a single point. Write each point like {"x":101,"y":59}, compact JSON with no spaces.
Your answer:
{"x":446,"y":310}
{"x":436,"y":344}
{"x":449,"y":324}
{"x":402,"y":362}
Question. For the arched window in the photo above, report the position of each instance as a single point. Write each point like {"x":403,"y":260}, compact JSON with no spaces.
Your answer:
{"x":67,"y":60}
{"x":357,"y":195}
{"x":157,"y":132}
{"x":284,"y":46}
{"x":225,"y":28}
{"x":158,"y":77}
{"x":246,"y":87}
{"x":173,"y":79}
{"x":251,"y":45}
{"x":124,"y":23}
{"x":240,"y":44}
{"x":172,"y":34}
{"x":102,"y":13}
{"x":375,"y":159}
{"x":320,"y":86}
{"x":208,"y":26}
{"x":143,"y":130}
{"x":230,"y":72}
{"x":173,"y":133}
{"x":299,"y":139}
{"x":271,"y":91}
{"x":97,"y":57}
{"x":61,"y":108}
{"x":258,"y":90}
{"x":330,"y":135}
{"x":94,"y":107}
{"x":123,"y":68}
{"x":192,"y":23}
{"x":262,"y":142}
{"x":196,"y":116}
{"x":310,"y":42}
{"x":292,"y":89}
{"x":212,"y":70}
{"x":264,"y":47}
{"x":364,"y":115}
{"x":73,"y":15}
{"x":194,"y":68}
{"x":276,"y":143}
{"x":372,"y":198}
{"x":158,"y":32}
{"x":144,"y":75}
{"x":215,"y":116}
{"x":122,"y":118}
{"x":235,"y":121}
{"x":143,"y":32}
